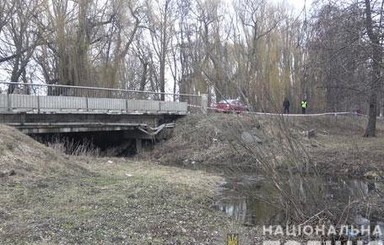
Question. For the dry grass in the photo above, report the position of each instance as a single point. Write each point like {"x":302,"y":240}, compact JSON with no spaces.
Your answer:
{"x":73,"y":148}
{"x":123,"y":202}
{"x":58,"y":199}
{"x":200,"y":139}
{"x":287,"y":156}
{"x":215,"y":141}
{"x":120,"y":168}
{"x":28,"y":159}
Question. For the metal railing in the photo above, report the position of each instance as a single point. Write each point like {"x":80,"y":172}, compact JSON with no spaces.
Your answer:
{"x":195,"y":102}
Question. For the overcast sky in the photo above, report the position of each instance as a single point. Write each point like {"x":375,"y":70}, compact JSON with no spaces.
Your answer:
{"x":299,"y":4}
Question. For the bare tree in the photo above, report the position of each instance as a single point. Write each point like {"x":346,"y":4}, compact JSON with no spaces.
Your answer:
{"x":161,"y":17}
{"x":7,"y":9}
{"x":374,"y":32}
{"x":337,"y":57}
{"x":22,"y":36}
{"x":189,"y":51}
{"x":346,"y":47}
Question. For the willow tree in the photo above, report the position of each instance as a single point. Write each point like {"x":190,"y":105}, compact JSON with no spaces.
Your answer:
{"x":268,"y":53}
{"x":116,"y":32}
{"x":59,"y":22}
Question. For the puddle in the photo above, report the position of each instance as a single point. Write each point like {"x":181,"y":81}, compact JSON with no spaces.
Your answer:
{"x":254,"y":200}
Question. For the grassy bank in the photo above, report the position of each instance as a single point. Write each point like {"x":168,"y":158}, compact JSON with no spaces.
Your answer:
{"x":117,"y":201}
{"x":223,"y":142}
{"x":49,"y":198}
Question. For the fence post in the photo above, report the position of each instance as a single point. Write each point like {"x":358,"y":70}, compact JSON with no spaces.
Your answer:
{"x":204,"y":103}
{"x":8,"y":102}
{"x":38,"y":104}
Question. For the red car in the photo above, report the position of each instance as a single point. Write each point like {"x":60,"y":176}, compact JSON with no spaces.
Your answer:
{"x":230,"y":105}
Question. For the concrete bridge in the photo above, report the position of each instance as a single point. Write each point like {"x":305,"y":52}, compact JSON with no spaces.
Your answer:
{"x":43,"y":109}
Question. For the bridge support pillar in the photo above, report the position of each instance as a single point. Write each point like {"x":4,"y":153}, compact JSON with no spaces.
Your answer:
{"x":139,"y":145}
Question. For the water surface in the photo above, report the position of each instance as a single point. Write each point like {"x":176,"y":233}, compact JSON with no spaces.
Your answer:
{"x":255,"y":200}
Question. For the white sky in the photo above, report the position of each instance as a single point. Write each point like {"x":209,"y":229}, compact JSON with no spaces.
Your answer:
{"x":299,"y":4}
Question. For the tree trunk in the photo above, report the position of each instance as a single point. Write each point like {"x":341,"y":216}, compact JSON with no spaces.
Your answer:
{"x":375,"y":77}
{"x":143,"y":80}
{"x":370,"y":130}
{"x":162,"y":78}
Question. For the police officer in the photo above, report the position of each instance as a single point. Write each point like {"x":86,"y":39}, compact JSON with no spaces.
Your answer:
{"x":304,"y":105}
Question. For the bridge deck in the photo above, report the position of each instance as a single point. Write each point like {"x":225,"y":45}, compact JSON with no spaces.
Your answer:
{"x":32,"y":123}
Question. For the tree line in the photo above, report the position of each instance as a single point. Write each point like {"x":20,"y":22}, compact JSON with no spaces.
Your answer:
{"x":258,"y":50}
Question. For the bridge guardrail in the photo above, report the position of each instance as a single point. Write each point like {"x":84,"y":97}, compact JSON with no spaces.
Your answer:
{"x":60,"y":104}
{"x":49,"y":97}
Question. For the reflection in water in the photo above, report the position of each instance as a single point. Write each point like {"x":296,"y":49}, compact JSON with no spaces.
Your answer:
{"x":249,"y":210}
{"x":235,"y":208}
{"x":254,"y":200}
